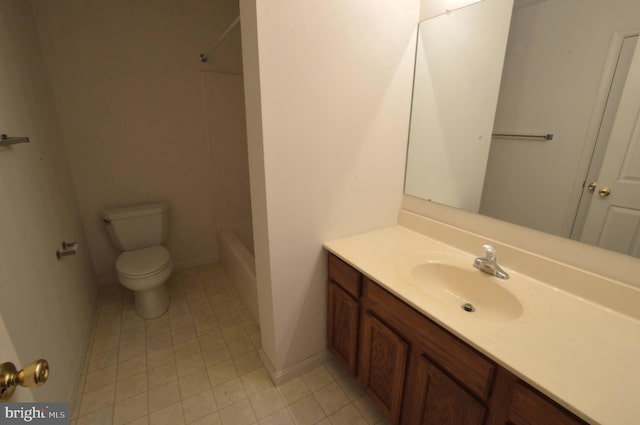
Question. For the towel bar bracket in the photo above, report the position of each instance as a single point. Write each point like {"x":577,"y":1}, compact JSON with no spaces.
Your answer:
{"x":7,"y":141}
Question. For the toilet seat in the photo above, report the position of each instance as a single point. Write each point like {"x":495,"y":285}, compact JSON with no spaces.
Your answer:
{"x":143,"y":263}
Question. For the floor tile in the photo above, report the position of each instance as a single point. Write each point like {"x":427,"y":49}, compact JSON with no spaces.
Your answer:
{"x":368,"y":410}
{"x":161,"y":357}
{"x":229,"y":393}
{"x":198,"y":406}
{"x":239,"y":413}
{"x":248,"y":362}
{"x":307,"y":411}
{"x":162,"y":375}
{"x":266,"y":402}
{"x":103,"y":416}
{"x":130,"y":409}
{"x":348,"y":415}
{"x":294,"y":390}
{"x":256,"y":381}
{"x":191,"y":364}
{"x":100,"y":378}
{"x":198,"y":364}
{"x":185,"y":349}
{"x":193,"y":384}
{"x":170,"y":415}
{"x":131,"y":386}
{"x":222,"y":372}
{"x":281,"y":417}
{"x":158,"y":342}
{"x":163,"y":396}
{"x":317,"y":378}
{"x":131,"y":367}
{"x":211,"y":419}
{"x":97,"y":399}
{"x":331,"y":398}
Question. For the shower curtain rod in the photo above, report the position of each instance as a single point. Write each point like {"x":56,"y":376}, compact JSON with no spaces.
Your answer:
{"x":205,"y":56}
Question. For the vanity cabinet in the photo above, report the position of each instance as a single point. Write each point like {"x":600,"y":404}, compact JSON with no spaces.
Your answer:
{"x":444,"y":380}
{"x":343,"y":322}
{"x":417,"y":372}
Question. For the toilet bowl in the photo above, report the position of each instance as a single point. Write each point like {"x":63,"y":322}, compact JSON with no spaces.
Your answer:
{"x":145,"y":265}
{"x":144,"y":271}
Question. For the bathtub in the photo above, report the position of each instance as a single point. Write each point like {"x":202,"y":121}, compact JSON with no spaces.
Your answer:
{"x":237,"y":257}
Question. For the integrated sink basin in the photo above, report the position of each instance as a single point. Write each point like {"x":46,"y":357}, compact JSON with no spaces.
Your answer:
{"x":446,"y":278}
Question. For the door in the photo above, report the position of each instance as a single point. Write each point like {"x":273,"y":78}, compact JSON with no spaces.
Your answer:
{"x":383,"y":358}
{"x":613,"y":220}
{"x":342,"y":327}
{"x":8,"y":353}
{"x":46,"y":305}
{"x":445,"y":402}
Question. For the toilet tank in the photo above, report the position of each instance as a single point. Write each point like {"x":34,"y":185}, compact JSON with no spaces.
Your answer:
{"x":138,"y":226}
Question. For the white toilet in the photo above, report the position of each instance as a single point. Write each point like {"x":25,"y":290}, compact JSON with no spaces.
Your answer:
{"x":145,"y":264}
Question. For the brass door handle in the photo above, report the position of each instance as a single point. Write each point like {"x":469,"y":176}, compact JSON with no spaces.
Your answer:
{"x":33,"y":375}
{"x":592,"y":186}
{"x":604,"y":192}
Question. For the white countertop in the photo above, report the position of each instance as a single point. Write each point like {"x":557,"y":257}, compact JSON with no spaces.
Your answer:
{"x":583,"y":355}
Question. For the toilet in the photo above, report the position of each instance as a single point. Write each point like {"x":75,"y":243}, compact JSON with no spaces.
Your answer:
{"x":145,"y":264}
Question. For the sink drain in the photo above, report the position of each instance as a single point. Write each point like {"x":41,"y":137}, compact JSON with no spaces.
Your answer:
{"x":469,"y":308}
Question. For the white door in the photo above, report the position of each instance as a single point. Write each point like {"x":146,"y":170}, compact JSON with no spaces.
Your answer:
{"x":46,"y":305}
{"x":613,"y":221}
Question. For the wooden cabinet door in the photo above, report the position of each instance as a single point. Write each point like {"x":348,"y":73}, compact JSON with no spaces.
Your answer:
{"x":437,"y":399}
{"x":342,"y":327}
{"x":529,"y":407}
{"x":383,"y":357}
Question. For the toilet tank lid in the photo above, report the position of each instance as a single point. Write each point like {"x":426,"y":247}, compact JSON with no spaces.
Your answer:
{"x":134,"y":211}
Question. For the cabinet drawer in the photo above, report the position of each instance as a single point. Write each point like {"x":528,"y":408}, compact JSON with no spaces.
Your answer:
{"x":529,"y":407}
{"x":345,"y":276}
{"x":454,"y":356}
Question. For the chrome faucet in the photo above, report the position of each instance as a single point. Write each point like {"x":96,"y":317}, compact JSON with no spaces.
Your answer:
{"x":488,"y":263}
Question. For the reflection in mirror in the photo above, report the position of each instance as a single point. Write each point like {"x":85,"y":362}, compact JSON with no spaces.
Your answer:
{"x":456,"y":83}
{"x":572,"y":68}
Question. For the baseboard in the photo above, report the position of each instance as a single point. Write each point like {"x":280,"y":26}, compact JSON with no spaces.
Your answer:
{"x":280,"y":377}
{"x":80,"y":372}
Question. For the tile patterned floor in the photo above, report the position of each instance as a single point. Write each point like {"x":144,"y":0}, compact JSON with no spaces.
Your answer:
{"x":199,"y":364}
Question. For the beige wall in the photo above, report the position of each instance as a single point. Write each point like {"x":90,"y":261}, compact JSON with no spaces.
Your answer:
{"x":334,"y":85}
{"x":127,"y":84}
{"x":226,"y":128}
{"x":47,"y":305}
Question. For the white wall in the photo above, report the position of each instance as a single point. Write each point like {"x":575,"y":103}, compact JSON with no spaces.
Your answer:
{"x":328,"y":88}
{"x":47,"y":305}
{"x":555,"y":62}
{"x":126,"y":80}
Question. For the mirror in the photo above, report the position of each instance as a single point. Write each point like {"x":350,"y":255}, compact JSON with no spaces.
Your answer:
{"x":570,"y":70}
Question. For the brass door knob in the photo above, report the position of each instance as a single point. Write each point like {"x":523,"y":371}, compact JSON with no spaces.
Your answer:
{"x":33,"y":375}
{"x":604,"y":192}
{"x":592,"y":186}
